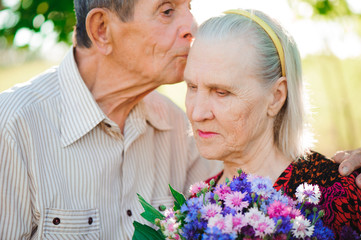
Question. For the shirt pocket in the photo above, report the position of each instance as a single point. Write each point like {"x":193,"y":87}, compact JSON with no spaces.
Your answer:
{"x":71,"y":224}
{"x":167,"y":201}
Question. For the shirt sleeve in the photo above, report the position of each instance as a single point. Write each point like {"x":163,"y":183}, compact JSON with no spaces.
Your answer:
{"x":15,"y":209}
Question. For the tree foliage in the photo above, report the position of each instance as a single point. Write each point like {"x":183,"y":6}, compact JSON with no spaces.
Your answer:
{"x":32,"y":14}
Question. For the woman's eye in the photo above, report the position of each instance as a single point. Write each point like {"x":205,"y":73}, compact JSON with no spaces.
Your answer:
{"x":192,"y":87}
{"x":222,"y":93}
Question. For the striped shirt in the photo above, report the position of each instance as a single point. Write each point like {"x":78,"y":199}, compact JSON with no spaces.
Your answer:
{"x":67,"y":172}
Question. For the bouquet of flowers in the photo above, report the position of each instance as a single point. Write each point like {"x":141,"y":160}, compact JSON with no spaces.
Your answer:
{"x":248,"y":207}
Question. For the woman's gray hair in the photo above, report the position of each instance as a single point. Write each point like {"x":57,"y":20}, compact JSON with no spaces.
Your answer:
{"x":124,"y":9}
{"x":289,"y":126}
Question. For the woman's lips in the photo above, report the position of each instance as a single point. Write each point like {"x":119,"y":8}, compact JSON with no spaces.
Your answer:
{"x":206,"y":134}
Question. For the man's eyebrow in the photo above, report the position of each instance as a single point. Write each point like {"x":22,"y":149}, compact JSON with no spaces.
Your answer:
{"x":161,"y":3}
{"x":187,"y":80}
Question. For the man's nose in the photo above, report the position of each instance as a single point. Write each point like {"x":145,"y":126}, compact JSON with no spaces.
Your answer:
{"x":189,"y":26}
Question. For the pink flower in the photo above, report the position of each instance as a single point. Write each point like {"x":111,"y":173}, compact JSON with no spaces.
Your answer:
{"x":253,"y":216}
{"x":278,"y":209}
{"x":239,"y":221}
{"x":222,"y":191}
{"x":302,"y":227}
{"x":170,"y":228}
{"x":235,"y":200}
{"x":169,"y":213}
{"x":295,"y":213}
{"x":222,"y":223}
{"x":210,"y":210}
{"x":265,"y":226}
{"x":198,"y":187}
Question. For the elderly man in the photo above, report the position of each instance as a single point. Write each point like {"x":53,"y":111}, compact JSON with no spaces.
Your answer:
{"x":80,"y":140}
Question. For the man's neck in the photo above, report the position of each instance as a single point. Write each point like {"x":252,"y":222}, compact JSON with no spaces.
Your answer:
{"x":115,"y":89}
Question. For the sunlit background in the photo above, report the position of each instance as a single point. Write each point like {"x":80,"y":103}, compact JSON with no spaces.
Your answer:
{"x":328,"y":36}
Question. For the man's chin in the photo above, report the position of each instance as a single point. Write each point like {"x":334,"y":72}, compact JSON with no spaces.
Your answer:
{"x":172,"y":79}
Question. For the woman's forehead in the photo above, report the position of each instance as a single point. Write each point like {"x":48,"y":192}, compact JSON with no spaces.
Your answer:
{"x":227,"y":58}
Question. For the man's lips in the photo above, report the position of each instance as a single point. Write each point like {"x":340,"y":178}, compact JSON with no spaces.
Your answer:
{"x":183,"y":55}
{"x":203,"y":134}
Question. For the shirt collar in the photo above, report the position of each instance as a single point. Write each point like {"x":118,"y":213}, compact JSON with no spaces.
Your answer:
{"x":155,"y":111}
{"x":79,"y":111}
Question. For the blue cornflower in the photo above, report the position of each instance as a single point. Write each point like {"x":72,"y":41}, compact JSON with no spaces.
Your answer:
{"x":192,"y":207}
{"x":215,"y":233}
{"x":262,"y":186}
{"x":191,"y":231}
{"x":278,"y":196}
{"x":286,"y":225}
{"x":228,"y":210}
{"x":240,"y":184}
{"x":209,"y":197}
{"x":322,"y":232}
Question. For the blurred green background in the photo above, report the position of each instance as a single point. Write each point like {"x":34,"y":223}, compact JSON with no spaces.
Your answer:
{"x":35,"y":34}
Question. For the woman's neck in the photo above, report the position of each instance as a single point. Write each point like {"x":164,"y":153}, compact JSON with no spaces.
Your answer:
{"x":264,"y":160}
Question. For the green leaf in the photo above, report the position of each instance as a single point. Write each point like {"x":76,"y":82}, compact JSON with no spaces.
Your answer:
{"x":179,"y":198}
{"x":144,"y":232}
{"x":150,"y":213}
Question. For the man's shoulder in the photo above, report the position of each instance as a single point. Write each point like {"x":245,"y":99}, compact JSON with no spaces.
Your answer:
{"x":27,"y":94}
{"x":157,"y":102}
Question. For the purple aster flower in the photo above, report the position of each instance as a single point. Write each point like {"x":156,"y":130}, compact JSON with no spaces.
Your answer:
{"x":248,"y":231}
{"x":348,"y":233}
{"x":308,"y":192}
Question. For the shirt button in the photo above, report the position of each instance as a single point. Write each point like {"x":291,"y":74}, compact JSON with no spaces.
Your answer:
{"x":129,"y":213}
{"x":56,"y":221}
{"x":90,"y":221}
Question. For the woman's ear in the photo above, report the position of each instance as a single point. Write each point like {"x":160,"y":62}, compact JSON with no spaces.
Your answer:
{"x":98,"y":29}
{"x":278,"y":97}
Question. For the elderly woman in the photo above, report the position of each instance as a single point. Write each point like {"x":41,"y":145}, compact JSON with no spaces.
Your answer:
{"x":245,"y":103}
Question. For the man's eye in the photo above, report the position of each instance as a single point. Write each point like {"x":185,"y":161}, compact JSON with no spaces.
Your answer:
{"x":168,"y":12}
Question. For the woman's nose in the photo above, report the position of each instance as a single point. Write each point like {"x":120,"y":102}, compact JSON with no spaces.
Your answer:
{"x":202,"y":110}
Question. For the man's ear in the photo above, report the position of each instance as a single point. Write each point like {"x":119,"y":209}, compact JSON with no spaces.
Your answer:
{"x":278,"y":97}
{"x":98,"y":29}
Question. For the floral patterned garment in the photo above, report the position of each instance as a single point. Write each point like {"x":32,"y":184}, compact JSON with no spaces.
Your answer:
{"x":340,"y":197}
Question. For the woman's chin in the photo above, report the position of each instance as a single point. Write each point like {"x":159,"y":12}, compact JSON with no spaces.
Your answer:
{"x":210,"y":156}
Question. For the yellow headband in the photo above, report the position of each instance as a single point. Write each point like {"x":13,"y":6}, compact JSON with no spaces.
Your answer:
{"x":268,"y":30}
